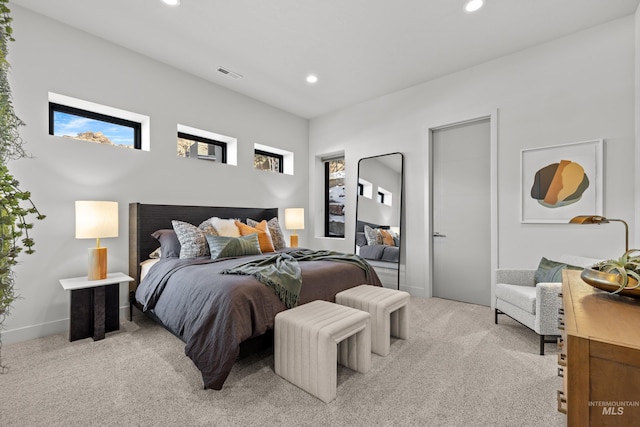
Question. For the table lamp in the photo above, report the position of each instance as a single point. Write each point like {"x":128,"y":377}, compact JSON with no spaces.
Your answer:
{"x":294,"y":220}
{"x":597,"y":219}
{"x":96,"y":220}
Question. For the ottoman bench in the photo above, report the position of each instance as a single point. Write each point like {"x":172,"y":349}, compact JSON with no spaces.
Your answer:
{"x":310,"y":340}
{"x":388,"y":309}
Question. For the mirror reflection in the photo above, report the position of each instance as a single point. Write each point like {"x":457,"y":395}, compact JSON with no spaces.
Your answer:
{"x":379,"y":213}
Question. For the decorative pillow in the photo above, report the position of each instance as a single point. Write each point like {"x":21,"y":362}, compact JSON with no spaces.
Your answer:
{"x":264,"y":238}
{"x":222,"y":246}
{"x":551,"y":271}
{"x":224,"y":227}
{"x":277,"y":236}
{"x":396,"y":238}
{"x":157,"y":254}
{"x":168,"y":242}
{"x":192,"y":240}
{"x":207,"y":227}
{"x":387,"y":238}
{"x":361,"y":240}
{"x":373,"y":235}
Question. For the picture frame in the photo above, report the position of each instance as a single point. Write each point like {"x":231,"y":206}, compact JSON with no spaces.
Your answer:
{"x":561,"y":181}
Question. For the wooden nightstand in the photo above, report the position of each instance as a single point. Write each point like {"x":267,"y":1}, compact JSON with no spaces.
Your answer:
{"x":95,"y":306}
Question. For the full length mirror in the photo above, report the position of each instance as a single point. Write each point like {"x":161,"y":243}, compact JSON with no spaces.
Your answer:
{"x":378,"y":215}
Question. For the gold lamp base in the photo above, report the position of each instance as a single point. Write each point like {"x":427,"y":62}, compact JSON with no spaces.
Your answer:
{"x":97,"y":263}
{"x":294,"y":240}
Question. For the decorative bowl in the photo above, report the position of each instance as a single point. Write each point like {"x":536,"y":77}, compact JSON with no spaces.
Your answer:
{"x":609,"y":282}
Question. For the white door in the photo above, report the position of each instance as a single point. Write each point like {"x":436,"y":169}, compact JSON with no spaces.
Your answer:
{"x":461,"y":212}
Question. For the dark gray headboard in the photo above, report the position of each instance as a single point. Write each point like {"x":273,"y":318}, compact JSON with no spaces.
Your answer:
{"x":360,"y":226}
{"x":144,"y":219}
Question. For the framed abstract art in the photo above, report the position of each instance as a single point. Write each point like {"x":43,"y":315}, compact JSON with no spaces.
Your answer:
{"x":561,"y":181}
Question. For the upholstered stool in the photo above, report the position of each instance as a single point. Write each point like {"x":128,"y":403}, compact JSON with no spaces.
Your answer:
{"x":310,"y":340}
{"x":388,"y":309}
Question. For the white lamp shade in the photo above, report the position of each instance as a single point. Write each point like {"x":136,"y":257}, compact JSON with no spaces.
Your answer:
{"x":95,"y":220}
{"x":294,"y":218}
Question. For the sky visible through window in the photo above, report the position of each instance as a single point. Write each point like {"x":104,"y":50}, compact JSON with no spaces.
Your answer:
{"x":70,"y":125}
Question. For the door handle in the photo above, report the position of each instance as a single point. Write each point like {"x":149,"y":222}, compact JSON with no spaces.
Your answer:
{"x":437,"y":234}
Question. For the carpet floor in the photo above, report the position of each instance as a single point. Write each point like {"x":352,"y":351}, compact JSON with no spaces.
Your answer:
{"x":457,"y":369}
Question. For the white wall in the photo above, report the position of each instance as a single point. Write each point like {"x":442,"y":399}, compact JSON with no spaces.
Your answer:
{"x":577,"y":88}
{"x":636,"y":175}
{"x":48,"y":56}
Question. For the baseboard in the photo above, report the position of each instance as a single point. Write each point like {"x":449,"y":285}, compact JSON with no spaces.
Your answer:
{"x":26,"y":333}
{"x":416,"y":292}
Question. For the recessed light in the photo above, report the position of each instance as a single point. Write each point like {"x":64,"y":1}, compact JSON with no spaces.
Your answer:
{"x":473,"y":5}
{"x":172,"y":2}
{"x":312,"y":79}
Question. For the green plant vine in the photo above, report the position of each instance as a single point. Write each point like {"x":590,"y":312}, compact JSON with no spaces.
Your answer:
{"x":16,"y":207}
{"x":11,"y":144}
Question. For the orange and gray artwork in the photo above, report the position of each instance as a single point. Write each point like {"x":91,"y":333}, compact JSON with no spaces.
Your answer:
{"x":559,"y":184}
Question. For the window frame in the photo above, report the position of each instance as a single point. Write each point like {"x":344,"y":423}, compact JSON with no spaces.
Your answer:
{"x":327,"y":205}
{"x":327,"y":174}
{"x":65,"y":109}
{"x":385,"y":197}
{"x":209,"y":141}
{"x":280,"y":158}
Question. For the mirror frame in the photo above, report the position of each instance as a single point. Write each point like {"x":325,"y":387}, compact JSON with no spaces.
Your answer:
{"x":400,"y":207}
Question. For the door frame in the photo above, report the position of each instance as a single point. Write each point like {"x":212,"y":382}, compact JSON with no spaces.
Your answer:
{"x":493,"y":183}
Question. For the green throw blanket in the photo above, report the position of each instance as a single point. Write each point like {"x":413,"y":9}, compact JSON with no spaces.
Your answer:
{"x":281,"y":271}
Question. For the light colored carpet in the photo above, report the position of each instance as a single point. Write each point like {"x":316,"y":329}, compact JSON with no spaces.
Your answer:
{"x":457,"y":369}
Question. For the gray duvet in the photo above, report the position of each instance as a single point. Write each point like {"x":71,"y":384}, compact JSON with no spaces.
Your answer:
{"x":380,"y":252}
{"x":213,"y":313}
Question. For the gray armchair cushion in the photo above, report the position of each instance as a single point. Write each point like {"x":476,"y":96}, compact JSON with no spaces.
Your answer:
{"x":523,"y":297}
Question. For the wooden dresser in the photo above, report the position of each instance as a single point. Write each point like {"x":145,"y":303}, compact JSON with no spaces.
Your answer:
{"x":599,"y":356}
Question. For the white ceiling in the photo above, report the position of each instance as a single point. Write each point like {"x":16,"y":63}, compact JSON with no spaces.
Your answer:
{"x":359,"y":49}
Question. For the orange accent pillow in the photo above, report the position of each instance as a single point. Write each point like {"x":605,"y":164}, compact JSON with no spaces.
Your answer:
{"x":387,"y":238}
{"x":264,"y":237}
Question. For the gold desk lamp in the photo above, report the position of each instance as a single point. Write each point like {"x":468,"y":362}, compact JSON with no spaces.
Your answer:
{"x":597,"y":219}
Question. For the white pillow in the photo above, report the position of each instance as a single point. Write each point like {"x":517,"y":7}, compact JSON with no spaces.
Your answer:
{"x":224,"y":227}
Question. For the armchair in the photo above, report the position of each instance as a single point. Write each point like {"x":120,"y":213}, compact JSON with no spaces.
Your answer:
{"x":535,"y":305}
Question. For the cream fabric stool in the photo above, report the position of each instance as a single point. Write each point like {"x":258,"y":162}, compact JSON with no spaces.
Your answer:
{"x":388,"y":309}
{"x":310,"y":340}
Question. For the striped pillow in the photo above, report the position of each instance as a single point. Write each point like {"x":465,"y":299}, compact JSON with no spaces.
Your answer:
{"x":222,"y":246}
{"x":264,"y":237}
{"x":277,"y":236}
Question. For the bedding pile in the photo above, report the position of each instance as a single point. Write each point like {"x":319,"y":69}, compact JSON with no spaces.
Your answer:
{"x":282,"y":271}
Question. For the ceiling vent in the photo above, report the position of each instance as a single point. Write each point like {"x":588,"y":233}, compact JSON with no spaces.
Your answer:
{"x":229,"y":73}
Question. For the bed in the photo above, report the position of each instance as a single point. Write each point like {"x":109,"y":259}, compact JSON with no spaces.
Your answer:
{"x":220,"y":316}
